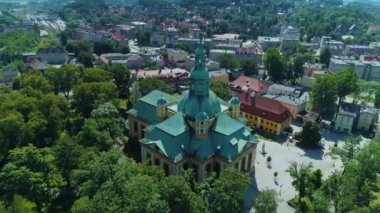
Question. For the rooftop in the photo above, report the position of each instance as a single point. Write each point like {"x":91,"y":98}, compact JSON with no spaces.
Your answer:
{"x":264,"y":107}
{"x":250,"y":84}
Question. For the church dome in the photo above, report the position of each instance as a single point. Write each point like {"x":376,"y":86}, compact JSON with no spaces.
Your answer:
{"x":192,"y":105}
{"x":162,"y":101}
{"x":234,"y":101}
{"x":201,"y":116}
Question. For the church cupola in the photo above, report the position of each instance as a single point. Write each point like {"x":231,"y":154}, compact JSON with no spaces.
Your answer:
{"x":235,"y":107}
{"x":161,"y":108}
{"x":201,"y":125}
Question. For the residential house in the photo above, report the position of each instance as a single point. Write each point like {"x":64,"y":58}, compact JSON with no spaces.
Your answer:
{"x":367,"y":118}
{"x":335,"y":47}
{"x":254,"y":53}
{"x":292,"y":98}
{"x":347,"y":117}
{"x":359,"y":50}
{"x":216,"y":53}
{"x":210,"y":64}
{"x":373,"y":29}
{"x":173,"y":77}
{"x":366,"y":70}
{"x":245,"y":84}
{"x":219,"y":75}
{"x":177,"y":57}
{"x":290,"y":37}
{"x":56,"y":55}
{"x":268,"y":42}
{"x":131,"y":60}
{"x":9,"y":75}
{"x":265,"y":113}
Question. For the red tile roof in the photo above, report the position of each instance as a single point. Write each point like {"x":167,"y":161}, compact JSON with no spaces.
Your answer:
{"x":245,"y":83}
{"x":264,"y":107}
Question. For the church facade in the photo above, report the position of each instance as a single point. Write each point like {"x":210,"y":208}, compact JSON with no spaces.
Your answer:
{"x":196,"y":131}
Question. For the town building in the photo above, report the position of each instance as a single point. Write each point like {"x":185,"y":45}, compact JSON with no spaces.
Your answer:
{"x":174,"y":77}
{"x":268,"y":42}
{"x":347,"y":117}
{"x":307,"y":81}
{"x":219,"y":75}
{"x":294,"y":99}
{"x":245,"y":84}
{"x":56,"y":55}
{"x":264,"y":113}
{"x":366,"y":70}
{"x":254,"y":53}
{"x":373,"y":29}
{"x":131,"y":60}
{"x":177,"y":57}
{"x":367,"y":118}
{"x":197,"y":131}
{"x":9,"y":75}
{"x":210,"y":64}
{"x":216,"y":53}
{"x":335,"y":47}
{"x":359,"y":50}
{"x":290,"y":38}
{"x":192,"y":43}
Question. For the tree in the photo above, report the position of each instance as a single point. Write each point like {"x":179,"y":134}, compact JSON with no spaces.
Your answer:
{"x":63,"y":38}
{"x":33,"y":80}
{"x":103,"y":129}
{"x":86,"y":59}
{"x":228,"y":191}
{"x":298,"y":63}
{"x":220,"y":89}
{"x":176,"y":191}
{"x":249,"y":67}
{"x":349,"y":150}
{"x":228,"y":61}
{"x":63,"y":79}
{"x":310,"y":135}
{"x":320,"y":202}
{"x":301,"y":179}
{"x":122,"y":79}
{"x":324,"y":94}
{"x":346,"y":83}
{"x":266,"y":201}
{"x":35,"y":169}
{"x":149,"y":84}
{"x":66,"y":154}
{"x":86,"y":96}
{"x":125,"y":49}
{"x":325,"y":56}
{"x":275,"y":64}
{"x":96,"y":75}
{"x":19,"y":204}
{"x":104,"y":46}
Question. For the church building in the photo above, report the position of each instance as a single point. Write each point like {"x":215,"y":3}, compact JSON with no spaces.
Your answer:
{"x":197,"y":130}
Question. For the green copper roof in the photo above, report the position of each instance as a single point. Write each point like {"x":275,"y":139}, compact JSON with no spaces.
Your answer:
{"x":226,"y":125}
{"x":174,"y":125}
{"x":152,"y":97}
{"x":146,"y":107}
{"x":191,"y":105}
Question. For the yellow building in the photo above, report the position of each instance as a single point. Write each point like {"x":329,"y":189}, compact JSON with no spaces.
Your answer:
{"x":264,"y":113}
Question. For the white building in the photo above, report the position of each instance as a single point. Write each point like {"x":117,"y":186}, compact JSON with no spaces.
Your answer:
{"x":347,"y":118}
{"x":177,"y":56}
{"x":367,"y":118}
{"x":290,"y":37}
